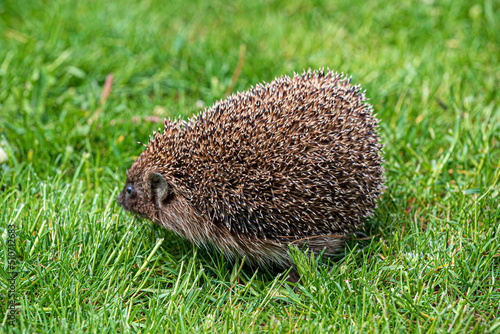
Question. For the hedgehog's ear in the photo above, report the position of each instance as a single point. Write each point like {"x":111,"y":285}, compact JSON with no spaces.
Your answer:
{"x":159,"y":187}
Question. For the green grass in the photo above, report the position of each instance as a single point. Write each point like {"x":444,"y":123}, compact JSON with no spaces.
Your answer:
{"x":432,"y":73}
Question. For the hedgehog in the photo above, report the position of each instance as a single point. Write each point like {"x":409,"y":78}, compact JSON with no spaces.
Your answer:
{"x":297,"y":161}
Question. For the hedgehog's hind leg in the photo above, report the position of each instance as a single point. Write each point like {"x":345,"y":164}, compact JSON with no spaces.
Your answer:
{"x":293,"y":275}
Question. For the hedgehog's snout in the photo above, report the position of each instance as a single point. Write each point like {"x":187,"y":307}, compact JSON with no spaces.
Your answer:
{"x":121,"y":199}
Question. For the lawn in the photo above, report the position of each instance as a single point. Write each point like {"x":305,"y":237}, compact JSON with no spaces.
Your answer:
{"x":431,"y":70}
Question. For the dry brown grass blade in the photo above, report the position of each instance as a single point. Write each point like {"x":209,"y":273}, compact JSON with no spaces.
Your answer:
{"x":237,"y":71}
{"x":106,"y":91}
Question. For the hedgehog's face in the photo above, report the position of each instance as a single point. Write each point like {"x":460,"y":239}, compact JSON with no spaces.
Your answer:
{"x":150,"y":196}
{"x":144,"y":194}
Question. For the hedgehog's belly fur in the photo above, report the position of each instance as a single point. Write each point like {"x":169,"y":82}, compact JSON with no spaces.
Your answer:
{"x":180,"y":217}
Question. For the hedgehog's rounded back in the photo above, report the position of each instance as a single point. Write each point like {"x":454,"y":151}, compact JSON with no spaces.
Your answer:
{"x":297,"y":160}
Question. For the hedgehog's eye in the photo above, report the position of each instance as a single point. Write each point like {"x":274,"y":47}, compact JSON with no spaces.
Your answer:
{"x":129,"y":190}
